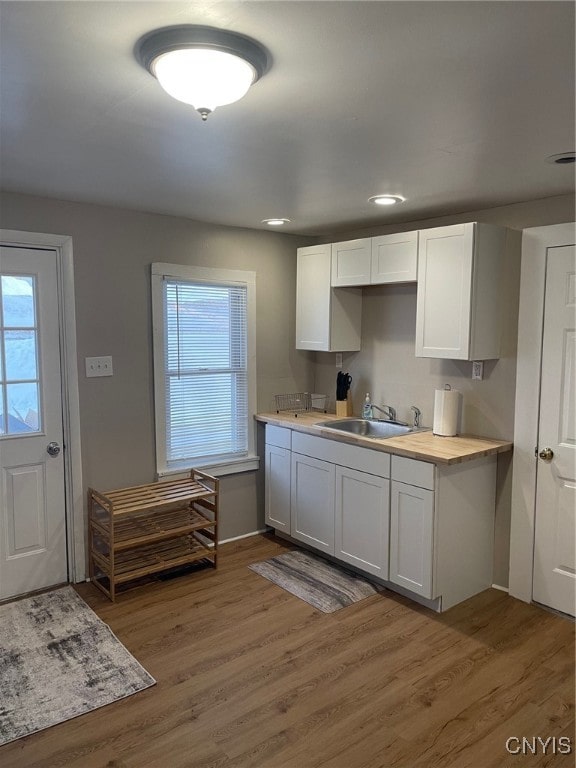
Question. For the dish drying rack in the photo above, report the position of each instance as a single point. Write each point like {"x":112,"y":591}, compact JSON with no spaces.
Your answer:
{"x":300,"y":402}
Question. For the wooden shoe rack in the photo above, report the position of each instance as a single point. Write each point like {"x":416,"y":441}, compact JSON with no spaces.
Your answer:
{"x":139,"y":531}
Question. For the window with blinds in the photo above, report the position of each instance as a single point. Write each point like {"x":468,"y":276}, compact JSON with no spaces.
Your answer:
{"x":204,"y":334}
{"x":205,"y":371}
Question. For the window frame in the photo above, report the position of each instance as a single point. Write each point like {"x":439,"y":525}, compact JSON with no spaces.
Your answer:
{"x":208,"y":275}
{"x":5,"y":382}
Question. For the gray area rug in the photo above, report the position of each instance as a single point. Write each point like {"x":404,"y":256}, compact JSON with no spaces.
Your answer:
{"x":58,"y":660}
{"x":323,"y":585}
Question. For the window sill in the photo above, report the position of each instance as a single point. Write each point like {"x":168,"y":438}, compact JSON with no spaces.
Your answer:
{"x":218,"y":469}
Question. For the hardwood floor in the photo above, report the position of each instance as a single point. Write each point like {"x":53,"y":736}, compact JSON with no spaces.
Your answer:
{"x":250,"y":676}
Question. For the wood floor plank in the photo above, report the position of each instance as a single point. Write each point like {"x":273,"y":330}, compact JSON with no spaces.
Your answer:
{"x":250,"y":676}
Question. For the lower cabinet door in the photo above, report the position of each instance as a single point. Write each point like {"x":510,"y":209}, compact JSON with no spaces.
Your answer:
{"x":277,"y":488}
{"x":312,"y":502}
{"x":412,"y":538}
{"x":362,"y":511}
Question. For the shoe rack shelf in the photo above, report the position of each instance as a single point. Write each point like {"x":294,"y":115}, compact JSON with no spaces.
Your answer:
{"x":143,"y":530}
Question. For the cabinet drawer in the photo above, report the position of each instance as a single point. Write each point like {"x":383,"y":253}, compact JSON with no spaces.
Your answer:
{"x":413,"y":472}
{"x":353,"y":456}
{"x":279,"y":436}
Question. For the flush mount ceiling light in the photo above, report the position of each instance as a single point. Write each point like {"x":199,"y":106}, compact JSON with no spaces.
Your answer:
{"x":564,"y":158}
{"x":386,"y":199}
{"x":275,"y":222}
{"x":202,"y":66}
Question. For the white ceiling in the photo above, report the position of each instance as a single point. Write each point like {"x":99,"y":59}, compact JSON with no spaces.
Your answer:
{"x":454,"y":105}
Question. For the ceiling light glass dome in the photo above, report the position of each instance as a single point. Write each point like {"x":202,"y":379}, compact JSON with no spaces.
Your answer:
{"x":203,"y":66}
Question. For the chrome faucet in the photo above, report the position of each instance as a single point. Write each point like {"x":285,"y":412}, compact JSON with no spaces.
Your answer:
{"x":417,"y":414}
{"x":387,"y":410}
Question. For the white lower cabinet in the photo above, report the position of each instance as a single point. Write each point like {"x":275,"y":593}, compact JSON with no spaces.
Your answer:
{"x":412,"y":538}
{"x":429,"y":529}
{"x":442,"y":528}
{"x":277,"y":487}
{"x":361,"y":526}
{"x":277,"y":478}
{"x":312,"y":502}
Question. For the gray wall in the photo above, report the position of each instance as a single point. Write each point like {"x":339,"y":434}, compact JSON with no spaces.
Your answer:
{"x":113,"y":250}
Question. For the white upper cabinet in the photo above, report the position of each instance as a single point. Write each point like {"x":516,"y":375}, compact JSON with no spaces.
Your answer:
{"x":394,"y":258}
{"x":459,"y":277}
{"x":375,"y":260}
{"x":458,"y":270}
{"x":351,"y":262}
{"x":327,"y":319}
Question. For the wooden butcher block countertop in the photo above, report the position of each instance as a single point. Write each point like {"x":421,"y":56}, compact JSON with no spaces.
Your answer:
{"x":415,"y":445}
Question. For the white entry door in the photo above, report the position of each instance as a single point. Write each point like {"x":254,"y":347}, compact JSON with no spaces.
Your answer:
{"x":555,"y":535}
{"x":33,"y":552}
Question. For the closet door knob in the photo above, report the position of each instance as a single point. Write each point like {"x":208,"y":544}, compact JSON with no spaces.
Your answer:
{"x":547,"y":454}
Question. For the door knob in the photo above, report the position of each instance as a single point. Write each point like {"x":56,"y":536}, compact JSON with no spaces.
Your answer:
{"x":53,"y":449}
{"x":547,"y":454}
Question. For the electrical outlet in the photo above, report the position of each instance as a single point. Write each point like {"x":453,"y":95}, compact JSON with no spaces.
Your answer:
{"x":339,"y":360}
{"x":99,"y":366}
{"x":478,"y":370}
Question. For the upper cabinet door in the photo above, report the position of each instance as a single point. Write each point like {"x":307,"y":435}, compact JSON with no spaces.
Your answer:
{"x":458,"y":303}
{"x":351,"y":262}
{"x":313,"y":298}
{"x":395,"y":258}
{"x":327,"y":319}
{"x":445,"y":258}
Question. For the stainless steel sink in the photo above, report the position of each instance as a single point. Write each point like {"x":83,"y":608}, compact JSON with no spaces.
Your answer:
{"x":368,"y":427}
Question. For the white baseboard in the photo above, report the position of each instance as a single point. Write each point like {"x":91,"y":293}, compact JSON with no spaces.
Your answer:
{"x":244,"y":536}
{"x":502,"y":589}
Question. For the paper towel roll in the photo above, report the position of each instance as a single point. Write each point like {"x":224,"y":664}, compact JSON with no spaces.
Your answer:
{"x":446,"y":407}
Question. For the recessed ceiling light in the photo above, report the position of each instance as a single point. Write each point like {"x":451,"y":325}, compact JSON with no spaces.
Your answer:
{"x":386,"y":199}
{"x":564,"y":158}
{"x":275,"y":222}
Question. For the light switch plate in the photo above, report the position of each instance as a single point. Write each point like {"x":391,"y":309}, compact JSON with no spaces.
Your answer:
{"x":338,"y":360}
{"x":99,"y":366}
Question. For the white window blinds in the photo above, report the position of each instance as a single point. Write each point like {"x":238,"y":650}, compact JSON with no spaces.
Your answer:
{"x":205,"y":370}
